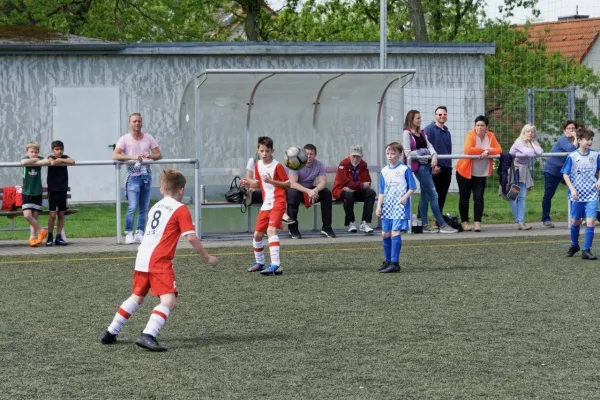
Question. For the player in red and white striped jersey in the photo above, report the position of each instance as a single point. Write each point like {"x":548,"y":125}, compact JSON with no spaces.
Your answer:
{"x":273,"y":181}
{"x":168,"y":220}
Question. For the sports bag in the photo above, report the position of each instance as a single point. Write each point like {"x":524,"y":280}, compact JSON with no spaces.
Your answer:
{"x":236,"y":193}
{"x":453,"y":222}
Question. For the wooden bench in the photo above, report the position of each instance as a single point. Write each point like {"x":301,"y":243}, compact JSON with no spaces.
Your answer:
{"x":19,"y":213}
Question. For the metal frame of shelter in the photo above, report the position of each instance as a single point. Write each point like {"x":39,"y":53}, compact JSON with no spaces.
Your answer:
{"x":370,"y":79}
{"x":259,"y":76}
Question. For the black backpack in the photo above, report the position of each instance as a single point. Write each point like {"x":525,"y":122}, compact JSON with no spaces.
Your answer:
{"x":236,"y":193}
{"x":453,"y":222}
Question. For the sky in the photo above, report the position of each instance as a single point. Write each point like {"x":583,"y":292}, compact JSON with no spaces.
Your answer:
{"x":550,"y":9}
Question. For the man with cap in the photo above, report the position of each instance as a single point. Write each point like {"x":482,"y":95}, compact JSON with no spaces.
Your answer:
{"x":353,"y":183}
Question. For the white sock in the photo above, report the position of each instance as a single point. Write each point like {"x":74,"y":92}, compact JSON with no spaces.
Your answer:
{"x":259,"y":253}
{"x":274,"y":250}
{"x":157,"y":320}
{"x":128,"y":307}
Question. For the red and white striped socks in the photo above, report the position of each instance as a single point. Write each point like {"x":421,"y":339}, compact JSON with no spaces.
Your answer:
{"x":157,"y":320}
{"x":128,"y":307}
{"x":274,"y":250}
{"x":259,"y":252}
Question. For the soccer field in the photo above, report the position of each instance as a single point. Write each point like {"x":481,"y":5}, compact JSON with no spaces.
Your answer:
{"x":477,"y":318}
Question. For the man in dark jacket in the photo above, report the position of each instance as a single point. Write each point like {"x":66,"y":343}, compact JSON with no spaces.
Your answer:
{"x":353,"y":183}
{"x":441,"y":139}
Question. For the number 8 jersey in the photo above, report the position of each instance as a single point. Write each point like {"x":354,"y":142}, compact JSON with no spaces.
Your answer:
{"x":168,"y":220}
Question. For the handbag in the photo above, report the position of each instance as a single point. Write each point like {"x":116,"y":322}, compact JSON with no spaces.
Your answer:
{"x":514,"y":190}
{"x":236,"y":193}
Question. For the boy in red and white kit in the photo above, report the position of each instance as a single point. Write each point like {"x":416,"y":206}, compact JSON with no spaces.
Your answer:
{"x":168,"y":220}
{"x":273,"y":181}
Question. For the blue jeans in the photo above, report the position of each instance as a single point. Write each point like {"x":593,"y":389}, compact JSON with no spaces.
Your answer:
{"x":551,"y":183}
{"x":518,"y":205}
{"x":428,"y":196}
{"x":137,"y":190}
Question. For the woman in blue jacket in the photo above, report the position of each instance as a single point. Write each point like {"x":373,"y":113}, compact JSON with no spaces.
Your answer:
{"x":552,"y":175}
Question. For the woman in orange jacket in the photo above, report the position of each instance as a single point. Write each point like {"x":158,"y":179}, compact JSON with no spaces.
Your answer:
{"x":471,"y":174}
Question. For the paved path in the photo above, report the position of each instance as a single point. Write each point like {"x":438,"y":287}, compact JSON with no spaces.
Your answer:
{"x":109,"y":244}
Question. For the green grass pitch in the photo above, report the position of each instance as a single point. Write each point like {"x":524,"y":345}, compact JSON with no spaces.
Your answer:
{"x":464,"y":319}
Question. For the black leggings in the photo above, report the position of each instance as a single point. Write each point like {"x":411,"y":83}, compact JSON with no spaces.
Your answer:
{"x":465,"y":186}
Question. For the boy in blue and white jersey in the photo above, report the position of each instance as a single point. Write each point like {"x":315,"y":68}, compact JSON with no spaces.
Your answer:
{"x":396,"y":185}
{"x":580,"y":172}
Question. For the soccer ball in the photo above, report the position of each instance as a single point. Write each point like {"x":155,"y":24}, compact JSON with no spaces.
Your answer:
{"x":295,"y":158}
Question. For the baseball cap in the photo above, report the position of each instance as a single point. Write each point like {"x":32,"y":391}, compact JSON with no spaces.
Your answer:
{"x":356,"y":150}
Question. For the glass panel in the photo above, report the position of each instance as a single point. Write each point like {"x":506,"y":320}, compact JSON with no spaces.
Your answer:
{"x":283,"y":109}
{"x":347,"y":115}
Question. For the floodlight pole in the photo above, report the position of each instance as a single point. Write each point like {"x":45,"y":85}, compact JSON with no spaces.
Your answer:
{"x":382,"y":34}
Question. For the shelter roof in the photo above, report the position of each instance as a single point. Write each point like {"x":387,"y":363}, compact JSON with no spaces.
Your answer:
{"x":69,"y":44}
{"x":572,"y":38}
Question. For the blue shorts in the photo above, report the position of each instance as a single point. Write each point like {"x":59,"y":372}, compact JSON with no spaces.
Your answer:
{"x":584,"y":209}
{"x":388,"y":225}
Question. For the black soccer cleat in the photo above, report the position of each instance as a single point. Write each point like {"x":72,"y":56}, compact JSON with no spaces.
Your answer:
{"x":573,"y":250}
{"x":383,"y":266}
{"x":49,"y":240}
{"x":587,"y":255}
{"x":392,"y":267}
{"x":108,"y":338}
{"x":149,"y":342}
{"x":60,"y":241}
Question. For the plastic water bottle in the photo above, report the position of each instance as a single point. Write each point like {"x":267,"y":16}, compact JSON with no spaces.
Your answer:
{"x":413,"y":220}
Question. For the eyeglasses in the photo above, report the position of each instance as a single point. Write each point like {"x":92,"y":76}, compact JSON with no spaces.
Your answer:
{"x":441,"y":115}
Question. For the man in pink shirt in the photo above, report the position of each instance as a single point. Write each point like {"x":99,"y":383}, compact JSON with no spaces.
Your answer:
{"x":137,"y":146}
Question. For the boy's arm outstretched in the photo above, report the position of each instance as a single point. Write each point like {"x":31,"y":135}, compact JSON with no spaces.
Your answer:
{"x":249,"y":183}
{"x":197,"y":245}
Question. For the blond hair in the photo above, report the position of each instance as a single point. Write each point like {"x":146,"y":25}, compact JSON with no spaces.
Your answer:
{"x":172,"y":181}
{"x":527,"y":128}
{"x":33,"y":145}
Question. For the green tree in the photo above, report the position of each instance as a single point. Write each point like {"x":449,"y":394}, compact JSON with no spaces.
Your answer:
{"x":520,"y":64}
{"x":116,"y":20}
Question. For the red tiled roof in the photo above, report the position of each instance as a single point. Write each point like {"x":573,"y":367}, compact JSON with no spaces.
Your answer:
{"x":572,"y":38}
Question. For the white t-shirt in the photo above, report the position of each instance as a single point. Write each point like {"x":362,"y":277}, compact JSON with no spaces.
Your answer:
{"x":481,"y":167}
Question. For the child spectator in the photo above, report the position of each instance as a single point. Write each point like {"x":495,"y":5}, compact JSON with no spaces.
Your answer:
{"x":169,"y":219}
{"x":58,"y":186}
{"x":396,"y":185}
{"x":32,"y":192}
{"x":581,"y":175}
{"x":272,"y":179}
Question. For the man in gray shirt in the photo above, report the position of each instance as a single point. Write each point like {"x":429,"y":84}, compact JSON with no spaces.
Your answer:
{"x":308,"y":186}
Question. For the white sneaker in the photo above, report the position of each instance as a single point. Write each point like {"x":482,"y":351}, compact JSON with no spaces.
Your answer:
{"x":447,"y":229}
{"x":138,"y":237}
{"x":129,"y":238}
{"x":352,"y":227}
{"x":364,"y":227}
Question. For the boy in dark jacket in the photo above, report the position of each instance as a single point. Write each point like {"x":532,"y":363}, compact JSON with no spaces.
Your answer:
{"x":353,"y":183}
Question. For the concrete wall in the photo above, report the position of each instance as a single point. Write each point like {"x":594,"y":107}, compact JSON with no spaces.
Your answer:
{"x":155,"y":84}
